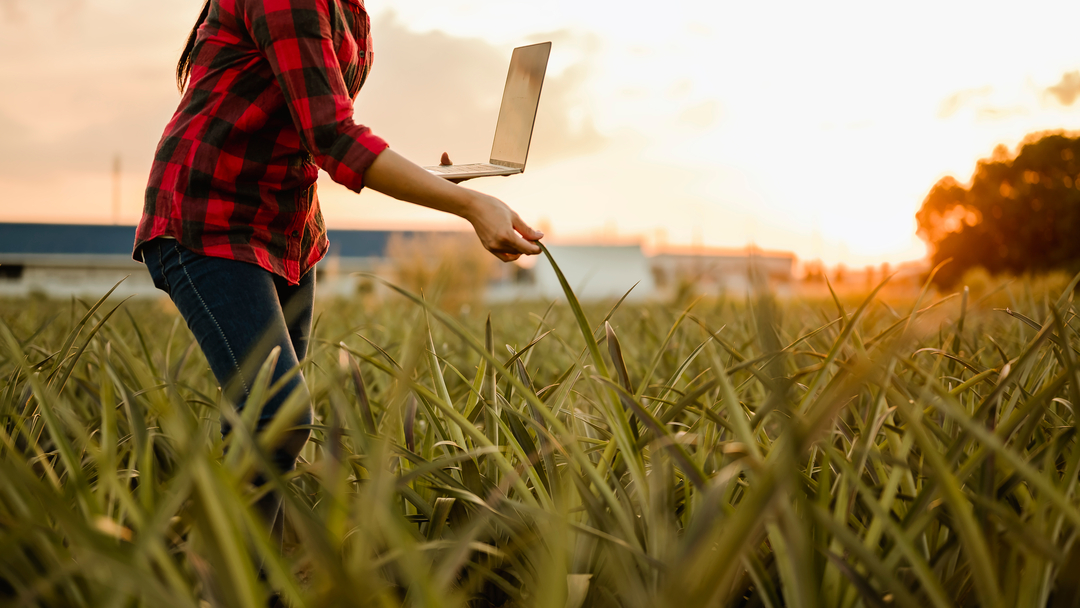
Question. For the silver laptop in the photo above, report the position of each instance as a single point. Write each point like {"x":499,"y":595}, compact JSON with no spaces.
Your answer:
{"x":521,"y":96}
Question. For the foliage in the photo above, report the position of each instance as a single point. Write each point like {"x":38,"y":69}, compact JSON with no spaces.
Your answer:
{"x":1019,"y":214}
{"x":452,"y":269}
{"x":762,"y":454}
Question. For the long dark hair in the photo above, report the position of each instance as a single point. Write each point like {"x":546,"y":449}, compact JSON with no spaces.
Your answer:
{"x":183,"y":68}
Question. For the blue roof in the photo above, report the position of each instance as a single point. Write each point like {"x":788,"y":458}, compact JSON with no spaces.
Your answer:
{"x":66,"y":239}
{"x":97,"y":239}
{"x":363,"y":243}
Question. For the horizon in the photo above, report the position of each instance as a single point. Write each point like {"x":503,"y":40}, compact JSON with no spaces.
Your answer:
{"x":801,"y":266}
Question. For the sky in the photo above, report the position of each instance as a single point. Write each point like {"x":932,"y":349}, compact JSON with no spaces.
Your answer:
{"x":816,"y":128}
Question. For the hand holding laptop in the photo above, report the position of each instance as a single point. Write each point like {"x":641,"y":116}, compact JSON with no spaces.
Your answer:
{"x":500,"y":229}
{"x":517,"y":115}
{"x":446,"y":162}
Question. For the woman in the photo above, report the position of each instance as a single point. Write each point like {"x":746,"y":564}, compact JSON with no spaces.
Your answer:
{"x":231,"y":227}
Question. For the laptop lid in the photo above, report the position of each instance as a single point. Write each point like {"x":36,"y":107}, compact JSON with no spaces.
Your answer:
{"x":521,"y":96}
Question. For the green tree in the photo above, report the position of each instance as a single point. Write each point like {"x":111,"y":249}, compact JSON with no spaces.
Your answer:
{"x":1018,"y":214}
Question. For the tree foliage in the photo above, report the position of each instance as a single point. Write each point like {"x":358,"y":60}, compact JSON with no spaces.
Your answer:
{"x":1018,"y":214}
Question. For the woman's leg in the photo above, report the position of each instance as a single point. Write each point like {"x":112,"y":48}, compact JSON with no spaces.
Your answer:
{"x":234,"y":311}
{"x":297,"y":305}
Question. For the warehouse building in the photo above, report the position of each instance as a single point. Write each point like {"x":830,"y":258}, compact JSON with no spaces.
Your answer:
{"x":64,"y":260}
{"x":86,"y":260}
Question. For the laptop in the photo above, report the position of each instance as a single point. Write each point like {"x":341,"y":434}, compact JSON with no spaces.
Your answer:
{"x":517,"y":114}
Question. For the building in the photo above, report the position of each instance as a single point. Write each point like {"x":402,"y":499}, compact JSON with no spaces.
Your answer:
{"x":594,"y":272}
{"x":721,"y":271}
{"x":86,"y":260}
{"x":61,"y":260}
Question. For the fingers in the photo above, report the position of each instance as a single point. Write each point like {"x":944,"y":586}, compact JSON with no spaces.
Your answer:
{"x":520,"y":244}
{"x":501,"y":230}
{"x":510,"y":247}
{"x":446,"y":162}
{"x":530,"y":233}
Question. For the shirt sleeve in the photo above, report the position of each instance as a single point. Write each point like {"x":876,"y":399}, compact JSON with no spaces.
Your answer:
{"x":296,"y":36}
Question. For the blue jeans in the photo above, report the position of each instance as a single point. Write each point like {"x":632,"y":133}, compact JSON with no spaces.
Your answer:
{"x":238,"y":313}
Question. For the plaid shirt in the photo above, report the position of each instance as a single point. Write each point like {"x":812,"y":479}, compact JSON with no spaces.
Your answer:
{"x":269,"y":102}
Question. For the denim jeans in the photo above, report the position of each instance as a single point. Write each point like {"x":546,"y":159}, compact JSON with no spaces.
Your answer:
{"x":238,"y":313}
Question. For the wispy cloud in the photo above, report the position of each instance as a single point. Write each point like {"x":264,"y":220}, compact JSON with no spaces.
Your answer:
{"x":77,"y":101}
{"x":957,"y":100}
{"x":701,"y":115}
{"x":432,"y":92}
{"x":61,"y":11}
{"x":11,"y":12}
{"x":1068,"y":89}
{"x":1003,"y":113}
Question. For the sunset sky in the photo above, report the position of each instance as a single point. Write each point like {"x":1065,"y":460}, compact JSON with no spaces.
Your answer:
{"x":814,"y":127}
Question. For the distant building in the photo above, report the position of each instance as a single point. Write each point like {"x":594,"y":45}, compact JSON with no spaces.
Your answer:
{"x":721,"y":271}
{"x":594,"y":272}
{"x":61,"y":260}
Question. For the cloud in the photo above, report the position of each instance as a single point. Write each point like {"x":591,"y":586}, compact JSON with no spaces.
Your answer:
{"x":1068,"y":89}
{"x":98,"y":115}
{"x":957,"y":100}
{"x":82,"y":88}
{"x":993,"y":113}
{"x":681,"y":88}
{"x":564,"y":125}
{"x":74,"y":102}
{"x":432,"y":92}
{"x":700,"y":116}
{"x":13,"y":130}
{"x":11,"y":12}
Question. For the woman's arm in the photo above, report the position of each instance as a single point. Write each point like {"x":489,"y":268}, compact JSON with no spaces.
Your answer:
{"x":501,"y":230}
{"x":295,"y":36}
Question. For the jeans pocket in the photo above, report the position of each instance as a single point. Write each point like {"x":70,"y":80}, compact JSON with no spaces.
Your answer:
{"x":153,"y":255}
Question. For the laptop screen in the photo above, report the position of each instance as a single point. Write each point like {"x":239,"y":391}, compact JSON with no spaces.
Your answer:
{"x":520,"y":99}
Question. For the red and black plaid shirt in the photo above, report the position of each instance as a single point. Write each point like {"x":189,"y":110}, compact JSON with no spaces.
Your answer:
{"x":269,"y":102}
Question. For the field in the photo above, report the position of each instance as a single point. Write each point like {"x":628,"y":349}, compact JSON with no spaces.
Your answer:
{"x":834,"y":453}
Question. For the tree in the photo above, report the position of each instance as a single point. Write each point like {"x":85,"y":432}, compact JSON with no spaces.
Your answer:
{"x":1018,"y":214}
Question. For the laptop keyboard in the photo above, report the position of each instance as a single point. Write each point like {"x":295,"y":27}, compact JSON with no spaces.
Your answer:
{"x":473,"y":168}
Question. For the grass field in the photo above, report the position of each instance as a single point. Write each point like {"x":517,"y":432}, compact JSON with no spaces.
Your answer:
{"x":833,"y":453}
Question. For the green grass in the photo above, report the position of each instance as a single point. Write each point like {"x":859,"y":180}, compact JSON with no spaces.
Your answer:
{"x":736,"y":453}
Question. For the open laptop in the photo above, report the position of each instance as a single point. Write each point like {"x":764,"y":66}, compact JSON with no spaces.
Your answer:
{"x":521,"y":96}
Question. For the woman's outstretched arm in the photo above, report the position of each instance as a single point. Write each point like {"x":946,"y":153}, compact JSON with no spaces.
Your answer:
{"x":294,"y":35}
{"x":501,"y":230}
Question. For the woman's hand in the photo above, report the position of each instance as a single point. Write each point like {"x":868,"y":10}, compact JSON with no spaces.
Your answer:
{"x":501,"y":230}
